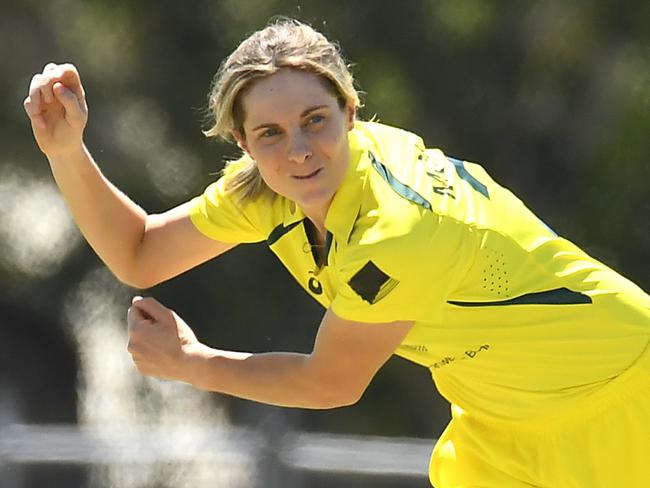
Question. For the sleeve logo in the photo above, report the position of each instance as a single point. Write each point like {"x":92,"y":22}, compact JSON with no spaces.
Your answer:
{"x":371,"y":283}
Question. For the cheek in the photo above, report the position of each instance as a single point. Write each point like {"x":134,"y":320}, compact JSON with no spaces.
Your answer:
{"x":267,"y":174}
{"x":269,"y":170}
{"x":331,"y":141}
{"x":338,"y":144}
{"x":267,"y":159}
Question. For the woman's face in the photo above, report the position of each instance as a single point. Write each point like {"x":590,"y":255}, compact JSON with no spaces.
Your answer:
{"x":297,"y":133}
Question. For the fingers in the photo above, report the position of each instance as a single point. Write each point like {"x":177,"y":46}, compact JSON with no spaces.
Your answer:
{"x":135,"y":317}
{"x":74,"y":111}
{"x":145,"y":333}
{"x":41,"y":87}
{"x":68,"y":75}
{"x":34,"y":113}
{"x":150,"y":308}
{"x":33,"y":100}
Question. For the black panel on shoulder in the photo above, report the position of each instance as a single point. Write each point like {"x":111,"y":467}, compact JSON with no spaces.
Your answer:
{"x":279,"y":231}
{"x":371,"y":283}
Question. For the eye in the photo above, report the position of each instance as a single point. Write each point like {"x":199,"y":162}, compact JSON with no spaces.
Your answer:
{"x":315,"y":119}
{"x":270,"y":133}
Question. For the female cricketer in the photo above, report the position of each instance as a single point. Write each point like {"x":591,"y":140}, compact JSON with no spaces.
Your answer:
{"x":541,"y":350}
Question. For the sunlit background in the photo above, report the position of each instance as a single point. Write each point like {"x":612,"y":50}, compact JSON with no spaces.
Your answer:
{"x":552,"y":97}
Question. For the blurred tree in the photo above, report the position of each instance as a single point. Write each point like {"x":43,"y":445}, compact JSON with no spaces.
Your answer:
{"x":551,"y":96}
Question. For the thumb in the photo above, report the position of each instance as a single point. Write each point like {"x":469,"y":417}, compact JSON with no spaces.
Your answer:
{"x":150,"y":308}
{"x":74,"y":112}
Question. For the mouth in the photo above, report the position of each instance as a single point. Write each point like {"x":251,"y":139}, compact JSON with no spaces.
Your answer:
{"x":308,"y":176}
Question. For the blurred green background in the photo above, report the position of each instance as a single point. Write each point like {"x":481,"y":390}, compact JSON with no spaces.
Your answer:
{"x":551,"y":97}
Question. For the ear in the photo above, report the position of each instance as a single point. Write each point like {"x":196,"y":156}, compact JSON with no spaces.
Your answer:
{"x":351,"y":116}
{"x":240,"y":140}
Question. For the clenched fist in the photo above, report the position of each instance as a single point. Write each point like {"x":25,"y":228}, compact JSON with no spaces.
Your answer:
{"x":56,"y":106}
{"x":160,"y":342}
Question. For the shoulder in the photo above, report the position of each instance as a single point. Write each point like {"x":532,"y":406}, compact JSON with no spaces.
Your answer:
{"x":221,"y":213}
{"x":401,"y":232}
{"x":395,"y":213}
{"x":396,"y":169}
{"x":389,"y":235}
{"x":387,"y":137}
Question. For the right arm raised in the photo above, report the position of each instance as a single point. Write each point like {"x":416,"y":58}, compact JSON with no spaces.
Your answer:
{"x":141,"y":250}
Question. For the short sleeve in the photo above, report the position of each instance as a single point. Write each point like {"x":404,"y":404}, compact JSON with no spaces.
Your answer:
{"x":377,"y":285}
{"x":217,"y":215}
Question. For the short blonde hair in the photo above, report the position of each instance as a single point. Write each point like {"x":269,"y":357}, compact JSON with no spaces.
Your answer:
{"x":284,"y":43}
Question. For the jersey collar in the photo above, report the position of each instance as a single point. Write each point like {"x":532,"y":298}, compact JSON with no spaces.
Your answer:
{"x":344,"y":209}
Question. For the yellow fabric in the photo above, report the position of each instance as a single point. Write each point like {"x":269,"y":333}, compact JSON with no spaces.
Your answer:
{"x":218,"y":216}
{"x":515,"y":323}
{"x":601,"y":441}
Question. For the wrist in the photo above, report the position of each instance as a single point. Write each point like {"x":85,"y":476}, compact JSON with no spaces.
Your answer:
{"x":194,"y":370}
{"x":68,"y":154}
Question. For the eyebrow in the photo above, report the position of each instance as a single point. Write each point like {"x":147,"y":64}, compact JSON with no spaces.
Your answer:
{"x":303,"y":114}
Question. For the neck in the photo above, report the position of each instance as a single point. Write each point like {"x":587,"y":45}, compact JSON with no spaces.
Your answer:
{"x":317,"y":216}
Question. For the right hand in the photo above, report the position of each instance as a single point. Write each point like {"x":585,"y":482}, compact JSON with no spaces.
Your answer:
{"x":160,"y":342}
{"x":56,"y":106}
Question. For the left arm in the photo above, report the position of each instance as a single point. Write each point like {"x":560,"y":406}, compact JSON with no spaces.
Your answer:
{"x":345,"y":357}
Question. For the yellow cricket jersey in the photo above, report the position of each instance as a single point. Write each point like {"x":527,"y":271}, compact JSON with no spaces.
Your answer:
{"x":513,"y":321}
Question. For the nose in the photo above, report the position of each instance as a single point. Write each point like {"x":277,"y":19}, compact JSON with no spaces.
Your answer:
{"x":299,"y":148}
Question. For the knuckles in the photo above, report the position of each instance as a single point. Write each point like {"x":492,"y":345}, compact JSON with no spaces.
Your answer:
{"x":51,"y":73}
{"x":59,"y":68}
{"x":27,"y":105}
{"x":69,"y":67}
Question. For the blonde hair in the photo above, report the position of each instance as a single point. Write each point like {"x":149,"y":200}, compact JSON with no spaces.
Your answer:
{"x":284,"y":43}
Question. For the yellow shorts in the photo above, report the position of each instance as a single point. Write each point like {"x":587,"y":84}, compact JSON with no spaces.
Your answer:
{"x":602,"y":442}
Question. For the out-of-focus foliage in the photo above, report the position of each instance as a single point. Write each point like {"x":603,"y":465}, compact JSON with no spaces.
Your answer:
{"x":553,"y":97}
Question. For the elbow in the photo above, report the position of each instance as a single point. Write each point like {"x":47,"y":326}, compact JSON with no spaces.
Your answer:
{"x":134,"y":279}
{"x":338,"y":397}
{"x":348,"y":400}
{"x":137,"y":284}
{"x":330,"y":388}
{"x":133,"y":269}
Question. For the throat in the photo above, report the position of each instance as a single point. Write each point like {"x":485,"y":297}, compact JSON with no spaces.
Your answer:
{"x":316,"y":215}
{"x":319,"y":242}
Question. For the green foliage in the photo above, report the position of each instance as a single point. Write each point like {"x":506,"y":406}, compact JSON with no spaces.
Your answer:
{"x":551,"y":96}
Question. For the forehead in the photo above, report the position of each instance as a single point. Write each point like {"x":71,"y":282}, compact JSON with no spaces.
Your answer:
{"x":285,"y":93}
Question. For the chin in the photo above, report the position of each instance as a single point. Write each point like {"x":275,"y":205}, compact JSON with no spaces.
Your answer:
{"x":314,"y":198}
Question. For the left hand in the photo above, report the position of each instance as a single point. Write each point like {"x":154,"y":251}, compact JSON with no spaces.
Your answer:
{"x":160,"y":342}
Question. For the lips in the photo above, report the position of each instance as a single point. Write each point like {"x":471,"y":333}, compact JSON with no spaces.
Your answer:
{"x":307,"y":176}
